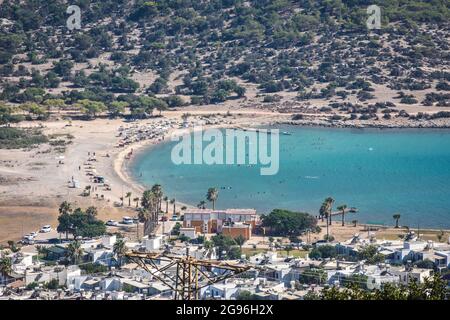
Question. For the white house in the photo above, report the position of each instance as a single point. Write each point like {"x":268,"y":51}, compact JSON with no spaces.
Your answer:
{"x":406,"y":275}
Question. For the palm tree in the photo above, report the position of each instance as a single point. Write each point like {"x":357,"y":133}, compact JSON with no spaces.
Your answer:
{"x":119,"y":249}
{"x":137,"y":201}
{"x":209,"y":245}
{"x":147,"y":200}
{"x":330,"y":202}
{"x":173,"y":201}
{"x":212,"y":196}
{"x":342,"y":208}
{"x":65,"y":208}
{"x":41,"y":250}
{"x":5,"y":266}
{"x":440,"y":235}
{"x":74,"y":251}
{"x":158,"y":192}
{"x":92,"y":211}
{"x":325,"y":211}
{"x":128,"y":195}
{"x":396,"y":218}
{"x":201,"y":205}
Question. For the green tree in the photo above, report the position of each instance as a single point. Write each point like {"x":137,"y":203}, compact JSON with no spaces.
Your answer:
{"x":396,"y":218}
{"x":240,"y":240}
{"x":91,"y":108}
{"x":342,"y":208}
{"x":119,"y":249}
{"x":116,"y":108}
{"x":325,"y":212}
{"x":128,"y":195}
{"x":74,"y":252}
{"x":158,"y":192}
{"x":173,"y":201}
{"x":288,"y":223}
{"x":5,"y":266}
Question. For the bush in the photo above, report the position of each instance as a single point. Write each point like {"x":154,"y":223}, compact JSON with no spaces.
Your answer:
{"x":323,"y":252}
{"x":12,"y":138}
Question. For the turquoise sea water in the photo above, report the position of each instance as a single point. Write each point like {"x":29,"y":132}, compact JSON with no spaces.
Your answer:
{"x":380,"y":172}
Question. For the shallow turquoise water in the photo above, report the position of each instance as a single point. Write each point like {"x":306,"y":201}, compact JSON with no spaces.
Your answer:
{"x":380,"y":172}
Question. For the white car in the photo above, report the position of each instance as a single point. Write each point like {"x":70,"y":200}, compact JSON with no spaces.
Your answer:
{"x":28,"y":239}
{"x":112,"y":223}
{"x":33,"y":234}
{"x":127,"y":220}
{"x":46,"y":229}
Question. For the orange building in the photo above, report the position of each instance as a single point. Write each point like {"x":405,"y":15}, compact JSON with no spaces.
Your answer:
{"x":215,"y":221}
{"x":235,"y":230}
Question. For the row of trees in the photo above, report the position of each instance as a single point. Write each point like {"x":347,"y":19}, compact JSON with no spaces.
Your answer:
{"x":433,"y":288}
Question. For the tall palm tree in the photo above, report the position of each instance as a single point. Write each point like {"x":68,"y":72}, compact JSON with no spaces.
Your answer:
{"x":128,"y":195}
{"x":212,"y":196}
{"x":173,"y":201}
{"x":149,"y":212}
{"x":65,"y":208}
{"x":325,"y":211}
{"x":74,"y":251}
{"x":158,"y":192}
{"x":342,"y":208}
{"x":396,"y":218}
{"x":166,"y":199}
{"x":136,"y":200}
{"x":5,"y":266}
{"x":330,"y":202}
{"x":119,"y":249}
{"x":148,"y":200}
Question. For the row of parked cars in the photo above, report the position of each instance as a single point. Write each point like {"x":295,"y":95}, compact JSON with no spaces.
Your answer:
{"x":134,"y":220}
{"x":125,"y":220}
{"x":30,"y":238}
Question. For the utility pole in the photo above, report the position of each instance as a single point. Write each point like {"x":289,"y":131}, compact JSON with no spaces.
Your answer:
{"x":190,"y":274}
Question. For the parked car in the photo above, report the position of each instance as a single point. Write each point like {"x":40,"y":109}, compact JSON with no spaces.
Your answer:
{"x":28,"y":236}
{"x":174,"y":218}
{"x":127,"y":220}
{"x":28,"y":241}
{"x":112,"y":223}
{"x":164,"y":218}
{"x":33,"y":234}
{"x":46,"y":229}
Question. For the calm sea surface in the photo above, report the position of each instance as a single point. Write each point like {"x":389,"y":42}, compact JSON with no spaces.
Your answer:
{"x":381,"y":172}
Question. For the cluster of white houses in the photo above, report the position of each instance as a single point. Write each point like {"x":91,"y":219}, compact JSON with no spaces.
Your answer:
{"x":272,"y":277}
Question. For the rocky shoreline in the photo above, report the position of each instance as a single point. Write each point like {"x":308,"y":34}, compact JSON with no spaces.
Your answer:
{"x":410,"y":124}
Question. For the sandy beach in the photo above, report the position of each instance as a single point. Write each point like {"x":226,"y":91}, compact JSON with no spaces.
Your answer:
{"x":34,"y":182}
